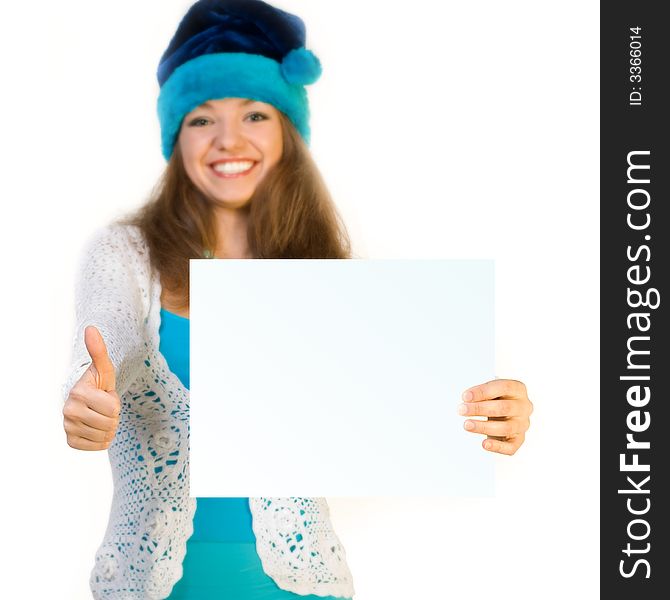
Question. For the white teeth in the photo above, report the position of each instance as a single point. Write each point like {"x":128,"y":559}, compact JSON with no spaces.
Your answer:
{"x":230,"y":168}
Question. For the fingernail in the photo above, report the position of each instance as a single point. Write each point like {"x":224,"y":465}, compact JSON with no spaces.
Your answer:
{"x":462,"y":409}
{"x":487,"y":445}
{"x":468,"y":396}
{"x":469,"y":425}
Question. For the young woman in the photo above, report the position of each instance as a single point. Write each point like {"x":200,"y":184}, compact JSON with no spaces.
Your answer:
{"x":239,"y":183}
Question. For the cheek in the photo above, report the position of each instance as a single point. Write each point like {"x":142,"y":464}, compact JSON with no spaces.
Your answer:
{"x":187,"y":162}
{"x":274,"y":147}
{"x":190,"y":141}
{"x":189,"y":155}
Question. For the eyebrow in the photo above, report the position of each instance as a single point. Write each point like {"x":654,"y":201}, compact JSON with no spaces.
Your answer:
{"x":247,"y":101}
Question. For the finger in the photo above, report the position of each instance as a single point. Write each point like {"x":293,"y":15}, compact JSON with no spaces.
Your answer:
{"x":506,"y":428}
{"x":508,"y":447}
{"x":99,"y":401}
{"x":89,"y":433}
{"x":81,"y":443}
{"x":498,"y":388}
{"x":490,"y":408}
{"x":103,"y":367}
{"x":97,"y":420}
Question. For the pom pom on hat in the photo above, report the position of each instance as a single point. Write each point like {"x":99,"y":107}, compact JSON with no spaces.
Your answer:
{"x":301,"y":67}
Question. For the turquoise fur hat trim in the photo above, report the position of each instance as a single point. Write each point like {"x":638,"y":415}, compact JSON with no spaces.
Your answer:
{"x":235,"y":49}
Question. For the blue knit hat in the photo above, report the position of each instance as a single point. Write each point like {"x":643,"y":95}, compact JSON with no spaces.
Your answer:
{"x":235,"y":48}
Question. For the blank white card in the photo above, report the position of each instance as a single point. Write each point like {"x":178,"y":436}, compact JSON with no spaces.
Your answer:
{"x":338,"y":377}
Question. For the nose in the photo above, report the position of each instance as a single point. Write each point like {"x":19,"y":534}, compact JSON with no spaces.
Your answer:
{"x":227,"y":134}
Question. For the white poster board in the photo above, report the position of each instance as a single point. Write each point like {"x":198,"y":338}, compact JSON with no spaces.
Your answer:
{"x":338,"y":377}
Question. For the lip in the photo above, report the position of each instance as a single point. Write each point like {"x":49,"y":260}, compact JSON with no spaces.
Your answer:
{"x":232,"y":175}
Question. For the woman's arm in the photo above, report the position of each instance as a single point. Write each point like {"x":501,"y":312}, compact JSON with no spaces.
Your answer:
{"x":111,"y":294}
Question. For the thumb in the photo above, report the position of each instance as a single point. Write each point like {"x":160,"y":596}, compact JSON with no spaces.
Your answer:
{"x":105,"y":377}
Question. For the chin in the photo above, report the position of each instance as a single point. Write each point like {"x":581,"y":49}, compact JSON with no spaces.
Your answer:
{"x":232,"y":203}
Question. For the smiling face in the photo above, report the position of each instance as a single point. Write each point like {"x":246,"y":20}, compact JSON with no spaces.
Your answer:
{"x":228,"y":146}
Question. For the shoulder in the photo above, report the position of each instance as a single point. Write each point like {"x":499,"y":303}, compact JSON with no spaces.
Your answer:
{"x":119,"y":232}
{"x":116,"y":248}
{"x":118,"y":239}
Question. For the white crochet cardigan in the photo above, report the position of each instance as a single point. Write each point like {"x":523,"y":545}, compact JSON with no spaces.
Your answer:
{"x":152,"y":514}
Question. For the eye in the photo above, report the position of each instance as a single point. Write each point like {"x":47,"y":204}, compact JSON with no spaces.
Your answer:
{"x":257,"y":116}
{"x":198,"y":122}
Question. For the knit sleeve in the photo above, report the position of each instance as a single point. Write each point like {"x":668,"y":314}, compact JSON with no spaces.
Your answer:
{"x":111,"y":294}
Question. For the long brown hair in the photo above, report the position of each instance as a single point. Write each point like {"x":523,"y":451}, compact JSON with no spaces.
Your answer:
{"x":291,"y":215}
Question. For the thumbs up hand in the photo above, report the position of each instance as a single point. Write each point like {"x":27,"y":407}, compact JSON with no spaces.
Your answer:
{"x":91,"y":411}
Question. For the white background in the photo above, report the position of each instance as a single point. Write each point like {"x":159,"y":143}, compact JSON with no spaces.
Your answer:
{"x":445,"y":130}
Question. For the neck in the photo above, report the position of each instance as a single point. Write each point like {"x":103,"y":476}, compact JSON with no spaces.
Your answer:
{"x":231,"y":233}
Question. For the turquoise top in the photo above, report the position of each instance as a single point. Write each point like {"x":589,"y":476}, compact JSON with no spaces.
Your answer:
{"x":221,"y":559}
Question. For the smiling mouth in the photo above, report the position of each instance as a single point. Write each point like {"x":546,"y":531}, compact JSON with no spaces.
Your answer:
{"x":233,"y":169}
